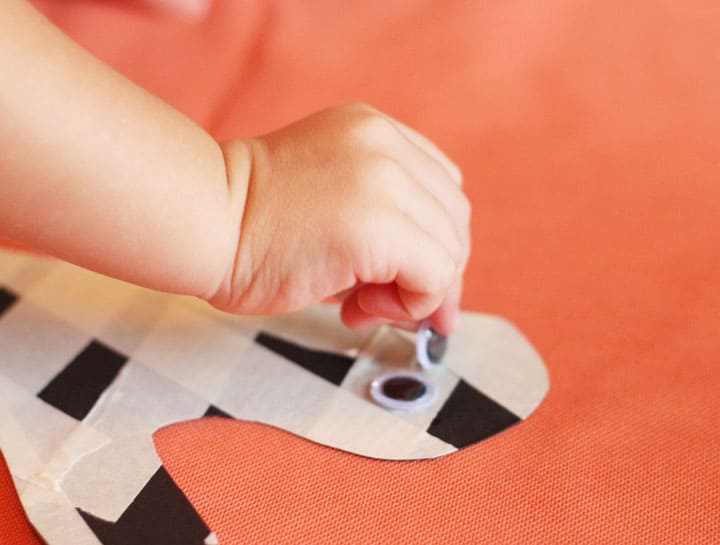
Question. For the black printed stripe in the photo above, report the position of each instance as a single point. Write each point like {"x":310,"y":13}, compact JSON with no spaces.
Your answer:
{"x":78,"y":386}
{"x":159,"y":515}
{"x":328,"y":365}
{"x":215,"y":411}
{"x":469,"y":416}
{"x":7,"y":299}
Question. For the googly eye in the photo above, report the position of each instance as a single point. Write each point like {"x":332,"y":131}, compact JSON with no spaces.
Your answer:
{"x":430,"y":346}
{"x":402,"y":391}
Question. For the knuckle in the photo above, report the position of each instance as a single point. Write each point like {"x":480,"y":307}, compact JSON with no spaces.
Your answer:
{"x":467,"y":248}
{"x":459,"y":252}
{"x":454,"y":240}
{"x":361,"y":107}
{"x":373,"y":128}
{"x":463,"y":209}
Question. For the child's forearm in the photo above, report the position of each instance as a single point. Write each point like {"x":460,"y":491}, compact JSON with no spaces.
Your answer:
{"x":99,"y":172}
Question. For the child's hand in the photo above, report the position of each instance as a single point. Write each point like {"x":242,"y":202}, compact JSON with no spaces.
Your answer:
{"x":350,"y":202}
{"x":347,"y":202}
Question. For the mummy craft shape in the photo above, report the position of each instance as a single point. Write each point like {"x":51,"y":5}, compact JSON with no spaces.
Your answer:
{"x":91,"y":367}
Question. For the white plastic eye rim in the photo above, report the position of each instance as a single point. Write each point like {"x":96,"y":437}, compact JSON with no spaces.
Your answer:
{"x":421,"y":346}
{"x":425,"y":400}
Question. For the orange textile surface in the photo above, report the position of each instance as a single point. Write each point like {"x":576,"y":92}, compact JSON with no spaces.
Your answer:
{"x":588,"y":134}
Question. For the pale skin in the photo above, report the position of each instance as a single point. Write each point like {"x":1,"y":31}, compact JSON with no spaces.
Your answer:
{"x":347,"y":202}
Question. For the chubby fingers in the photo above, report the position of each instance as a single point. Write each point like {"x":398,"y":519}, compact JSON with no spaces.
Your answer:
{"x":420,"y":272}
{"x":427,"y":146}
{"x":426,"y":235}
{"x":380,"y":302}
{"x":442,"y":178}
{"x":431,"y":175}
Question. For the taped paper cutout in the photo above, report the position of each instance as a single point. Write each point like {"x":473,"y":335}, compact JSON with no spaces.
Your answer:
{"x":90,"y":367}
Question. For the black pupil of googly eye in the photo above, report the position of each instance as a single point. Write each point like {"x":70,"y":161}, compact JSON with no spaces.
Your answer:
{"x":436,"y":346}
{"x":404,"y":388}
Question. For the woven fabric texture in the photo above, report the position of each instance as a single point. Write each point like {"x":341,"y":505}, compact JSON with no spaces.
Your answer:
{"x":587,"y":132}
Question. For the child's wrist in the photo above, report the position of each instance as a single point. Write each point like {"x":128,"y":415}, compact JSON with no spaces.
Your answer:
{"x":238,"y":167}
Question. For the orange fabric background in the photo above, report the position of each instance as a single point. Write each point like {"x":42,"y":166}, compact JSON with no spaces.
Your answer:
{"x":588,"y":134}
